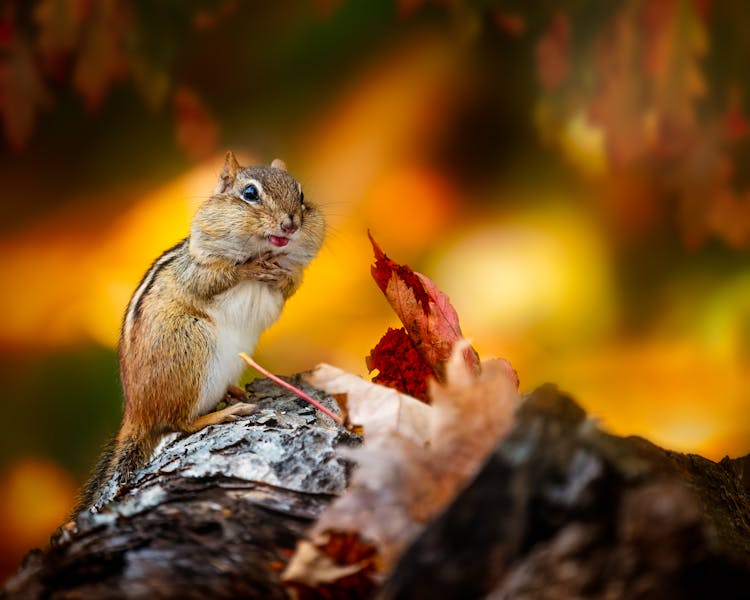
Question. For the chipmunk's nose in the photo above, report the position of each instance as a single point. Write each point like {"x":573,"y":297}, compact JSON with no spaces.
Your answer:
{"x":287,"y":224}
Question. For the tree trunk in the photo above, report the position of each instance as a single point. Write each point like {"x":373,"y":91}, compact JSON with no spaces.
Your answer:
{"x":559,"y":510}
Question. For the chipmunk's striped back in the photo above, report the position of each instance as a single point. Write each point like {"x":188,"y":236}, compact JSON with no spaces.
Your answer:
{"x":133,"y":311}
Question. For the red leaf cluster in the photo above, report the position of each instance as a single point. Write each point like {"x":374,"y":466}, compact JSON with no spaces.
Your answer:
{"x":399,"y":364}
{"x":408,"y":360}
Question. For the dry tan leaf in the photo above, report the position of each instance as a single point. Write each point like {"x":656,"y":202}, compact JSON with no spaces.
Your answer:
{"x":416,"y":457}
{"x":334,"y":565}
{"x":311,"y":567}
{"x":378,"y":409}
{"x":471,"y":412}
{"x":389,"y":497}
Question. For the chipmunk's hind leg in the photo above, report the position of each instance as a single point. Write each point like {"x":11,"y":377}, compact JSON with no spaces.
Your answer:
{"x":225,"y":415}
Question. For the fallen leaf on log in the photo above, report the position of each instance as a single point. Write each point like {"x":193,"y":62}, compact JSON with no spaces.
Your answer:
{"x":379,"y":410}
{"x":404,"y":477}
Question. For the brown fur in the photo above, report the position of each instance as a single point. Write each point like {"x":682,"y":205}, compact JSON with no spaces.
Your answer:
{"x":168,"y":339}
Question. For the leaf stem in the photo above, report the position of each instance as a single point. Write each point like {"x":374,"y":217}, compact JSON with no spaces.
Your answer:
{"x":291,"y":388}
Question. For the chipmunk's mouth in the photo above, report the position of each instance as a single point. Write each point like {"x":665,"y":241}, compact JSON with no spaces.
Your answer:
{"x":278,"y":240}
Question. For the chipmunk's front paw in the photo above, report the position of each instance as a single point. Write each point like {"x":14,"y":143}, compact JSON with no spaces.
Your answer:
{"x":271,"y":273}
{"x":262,"y":269}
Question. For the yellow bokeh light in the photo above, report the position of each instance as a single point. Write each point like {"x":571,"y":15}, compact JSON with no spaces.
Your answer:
{"x":725,"y":322}
{"x":542,"y":271}
{"x":583,"y":144}
{"x":673,"y":391}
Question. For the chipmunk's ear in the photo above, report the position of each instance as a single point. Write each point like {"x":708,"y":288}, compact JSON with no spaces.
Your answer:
{"x":278,"y":164}
{"x":228,"y":173}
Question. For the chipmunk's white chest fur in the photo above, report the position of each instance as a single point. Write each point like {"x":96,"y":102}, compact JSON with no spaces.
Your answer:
{"x":239,"y":315}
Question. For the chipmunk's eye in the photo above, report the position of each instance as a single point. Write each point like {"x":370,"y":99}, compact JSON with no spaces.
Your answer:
{"x":251,"y":194}
{"x":302,"y":200}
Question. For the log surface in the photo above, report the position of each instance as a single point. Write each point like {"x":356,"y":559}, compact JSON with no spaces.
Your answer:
{"x":215,"y":515}
{"x":561,"y":509}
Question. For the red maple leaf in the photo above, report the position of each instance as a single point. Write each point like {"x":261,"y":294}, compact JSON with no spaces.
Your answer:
{"x":384,"y":270}
{"x":430,"y":322}
{"x":399,"y":364}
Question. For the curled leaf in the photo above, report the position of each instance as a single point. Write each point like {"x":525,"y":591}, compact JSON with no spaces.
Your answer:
{"x":426,"y":312}
{"x":378,"y":409}
{"x":415,"y":457}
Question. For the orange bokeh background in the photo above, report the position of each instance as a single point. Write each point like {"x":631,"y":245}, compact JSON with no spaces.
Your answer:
{"x":538,"y":249}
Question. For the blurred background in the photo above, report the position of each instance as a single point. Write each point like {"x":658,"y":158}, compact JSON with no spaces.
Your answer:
{"x":573,"y":174}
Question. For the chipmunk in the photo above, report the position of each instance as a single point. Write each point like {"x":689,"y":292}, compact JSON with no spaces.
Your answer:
{"x":201,"y":303}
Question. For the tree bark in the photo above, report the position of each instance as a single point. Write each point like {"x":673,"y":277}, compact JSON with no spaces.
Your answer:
{"x":560,"y":509}
{"x":215,"y":515}
{"x":564,"y":510}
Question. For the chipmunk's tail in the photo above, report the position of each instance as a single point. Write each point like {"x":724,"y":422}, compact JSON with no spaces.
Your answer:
{"x":122,"y":456}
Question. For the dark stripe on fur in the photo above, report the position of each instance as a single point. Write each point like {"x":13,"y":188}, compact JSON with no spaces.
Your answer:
{"x":153,"y":270}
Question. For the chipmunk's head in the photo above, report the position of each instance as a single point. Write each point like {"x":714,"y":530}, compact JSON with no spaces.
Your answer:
{"x":257,"y":210}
